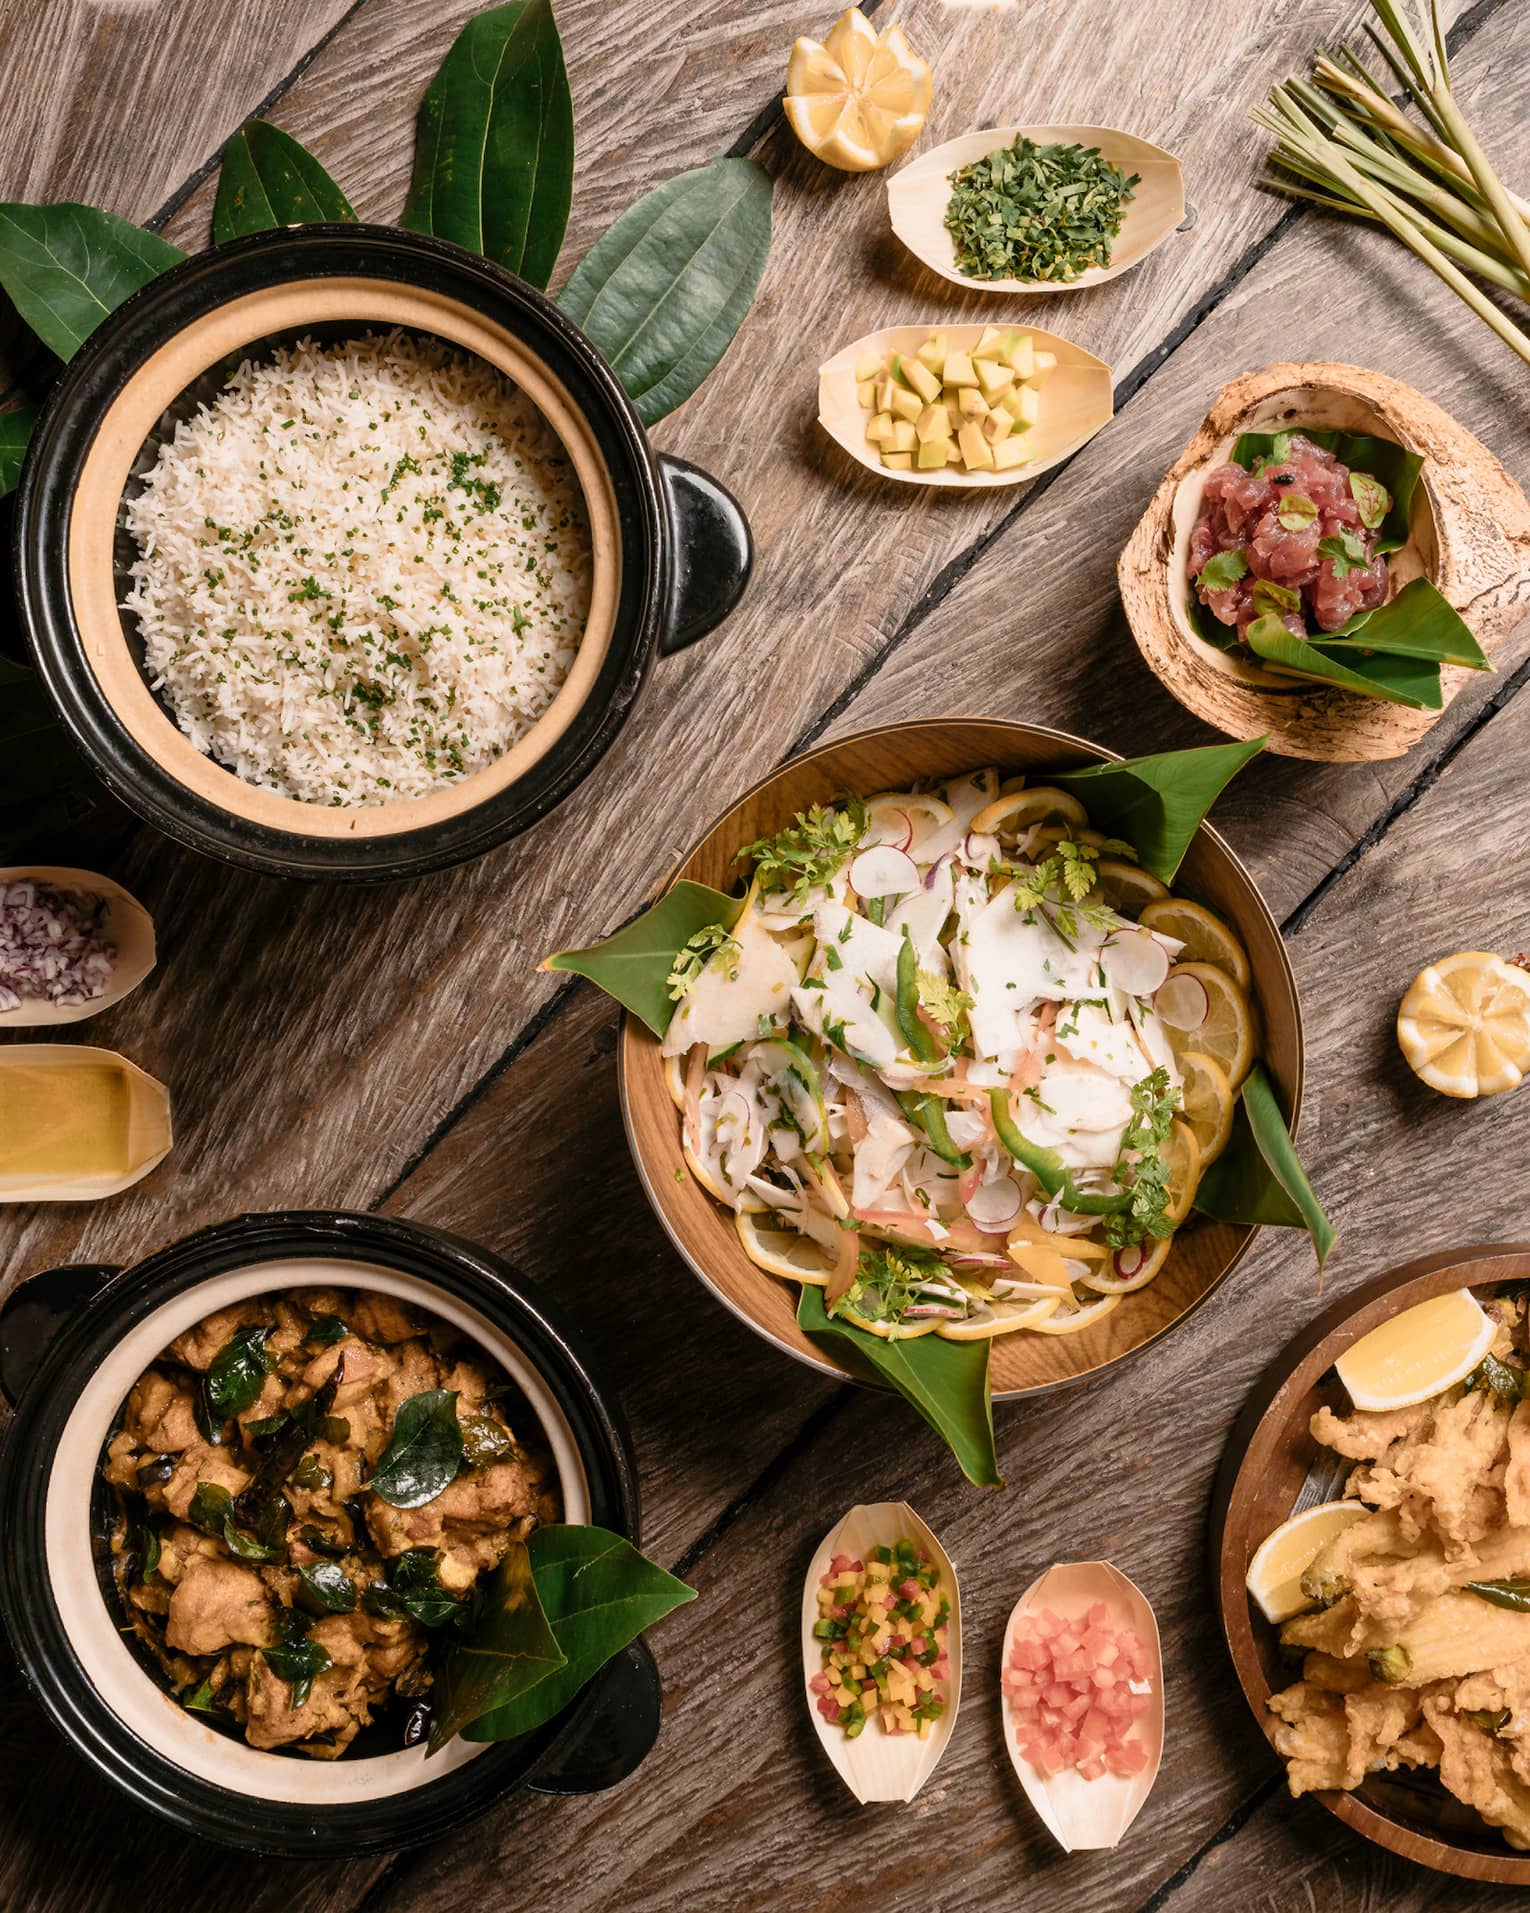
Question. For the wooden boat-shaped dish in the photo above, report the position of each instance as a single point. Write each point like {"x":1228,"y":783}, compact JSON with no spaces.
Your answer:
{"x":1085,"y":1815}
{"x":888,"y":758}
{"x":917,"y":198}
{"x":875,"y":1765}
{"x":128,"y":926}
{"x":1076,"y":400}
{"x":1469,"y":535}
{"x":1271,"y":1467}
{"x":148,"y":1124}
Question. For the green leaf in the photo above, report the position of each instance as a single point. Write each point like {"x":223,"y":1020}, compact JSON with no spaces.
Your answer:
{"x":598,"y":1593}
{"x":237,"y":1373}
{"x":662,"y":292}
{"x":1513,"y":1593}
{"x":330,"y":1590}
{"x":494,"y":151}
{"x":1409,"y":681}
{"x":947,"y":1382}
{"x":1420,"y":622}
{"x":413,"y":1587}
{"x":15,"y":431}
{"x":1157,"y":804}
{"x":424,"y":1451}
{"x":512,"y":1648}
{"x":1233,"y":1190}
{"x":268,"y":180}
{"x":298,"y":1662}
{"x":634,"y":965}
{"x":1222,"y":570}
{"x":1506,"y":1380}
{"x":66,"y":267}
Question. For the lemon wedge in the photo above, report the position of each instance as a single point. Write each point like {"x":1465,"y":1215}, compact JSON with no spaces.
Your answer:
{"x":857,"y":99}
{"x":1464,"y":1025}
{"x":1417,"y":1354}
{"x":1275,"y":1573}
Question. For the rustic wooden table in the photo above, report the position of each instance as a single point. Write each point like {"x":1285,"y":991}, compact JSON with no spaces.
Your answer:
{"x":396,"y":1050}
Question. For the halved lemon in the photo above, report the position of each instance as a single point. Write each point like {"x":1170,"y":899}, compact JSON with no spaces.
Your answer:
{"x":1464,"y":1025}
{"x":1225,"y":1030}
{"x":1206,"y":938}
{"x":783,"y":1251}
{"x":1417,"y":1354}
{"x":1282,"y":1558}
{"x":1020,"y":809}
{"x":1207,"y":1100}
{"x":1129,"y":888}
{"x":857,"y":99}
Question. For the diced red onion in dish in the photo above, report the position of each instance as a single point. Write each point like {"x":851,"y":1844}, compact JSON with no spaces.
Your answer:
{"x":884,"y":872}
{"x":52,"y":946}
{"x":1134,"y":962}
{"x":1182,"y":1003}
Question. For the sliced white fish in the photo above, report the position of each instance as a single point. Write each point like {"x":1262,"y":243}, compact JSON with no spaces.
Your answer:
{"x":1078,"y":1110}
{"x":733,"y":1134}
{"x":1154,"y":1038}
{"x":879,"y":1160}
{"x":1105,"y":1035}
{"x":923,"y":913}
{"x":966,"y":796}
{"x":746,"y":979}
{"x":1015,"y":958}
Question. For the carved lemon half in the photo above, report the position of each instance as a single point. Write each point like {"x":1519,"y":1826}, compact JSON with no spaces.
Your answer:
{"x":858,"y":98}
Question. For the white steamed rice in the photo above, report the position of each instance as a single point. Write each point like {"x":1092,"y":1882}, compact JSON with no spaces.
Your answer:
{"x":364,"y":570}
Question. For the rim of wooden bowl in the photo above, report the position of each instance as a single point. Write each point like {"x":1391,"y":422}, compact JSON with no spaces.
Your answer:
{"x":1262,"y":1470}
{"x":884,"y":757}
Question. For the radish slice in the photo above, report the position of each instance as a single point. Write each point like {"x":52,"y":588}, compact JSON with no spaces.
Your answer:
{"x":1129,"y":1260}
{"x":1135,"y":962}
{"x":993,"y":1206}
{"x":980,"y":848}
{"x":884,"y":872}
{"x":1182,"y":1003}
{"x":890,"y":826}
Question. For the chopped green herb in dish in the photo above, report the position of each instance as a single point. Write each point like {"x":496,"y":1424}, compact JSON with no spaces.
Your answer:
{"x":1036,"y":212}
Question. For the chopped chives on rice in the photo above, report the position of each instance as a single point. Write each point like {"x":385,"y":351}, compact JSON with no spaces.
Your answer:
{"x":364,"y":569}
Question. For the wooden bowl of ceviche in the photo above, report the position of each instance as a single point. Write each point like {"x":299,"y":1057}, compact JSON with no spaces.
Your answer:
{"x":924,"y":1125}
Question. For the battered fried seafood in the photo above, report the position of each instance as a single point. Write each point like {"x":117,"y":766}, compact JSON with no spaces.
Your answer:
{"x":1418,"y":1641}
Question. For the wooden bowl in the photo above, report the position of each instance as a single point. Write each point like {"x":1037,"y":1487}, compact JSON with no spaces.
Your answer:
{"x":890,"y":757}
{"x":1269,"y":1457}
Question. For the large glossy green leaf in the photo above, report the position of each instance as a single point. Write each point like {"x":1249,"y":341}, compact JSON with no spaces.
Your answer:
{"x":269,"y":180}
{"x":1157,"y":804}
{"x":947,"y":1382}
{"x":598,"y":1593}
{"x":424,"y":1450}
{"x":1413,"y":682}
{"x":634,"y":964}
{"x":510,"y":1649}
{"x":664,"y":290}
{"x":1259,"y":1177}
{"x":15,"y":432}
{"x":66,"y":267}
{"x":1420,"y":622}
{"x":494,"y":153}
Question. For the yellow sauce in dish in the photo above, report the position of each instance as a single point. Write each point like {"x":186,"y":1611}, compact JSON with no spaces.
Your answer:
{"x":64,"y":1120}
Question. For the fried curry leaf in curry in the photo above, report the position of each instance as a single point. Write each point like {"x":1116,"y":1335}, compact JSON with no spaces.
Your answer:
{"x":425,"y":1452}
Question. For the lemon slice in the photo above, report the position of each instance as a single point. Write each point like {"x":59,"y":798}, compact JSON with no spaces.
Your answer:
{"x":1464,"y":1025}
{"x":1020,"y":809}
{"x":785,"y":1252}
{"x":1213,"y":1020}
{"x":1282,"y":1558}
{"x":1206,"y":938}
{"x":1065,"y":1321}
{"x":1128,"y":888}
{"x":1001,"y":1319}
{"x":858,"y":99}
{"x":1110,"y":1280}
{"x":1183,"y":1154}
{"x":1207,"y":1102}
{"x":1417,"y":1354}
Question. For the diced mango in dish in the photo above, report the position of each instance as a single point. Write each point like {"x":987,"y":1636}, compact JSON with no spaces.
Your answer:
{"x":997,"y":425}
{"x":1026,"y":409}
{"x":932,"y":454}
{"x":993,"y":377}
{"x":970,"y":402}
{"x":924,"y":381}
{"x":903,"y":438}
{"x":933,"y":352}
{"x":897,"y":461}
{"x":1044,"y":362}
{"x":990,"y":345}
{"x":1010,"y":452}
{"x":1021,"y":356}
{"x":977,"y":453}
{"x":906,"y":404}
{"x":953,"y":452}
{"x":959,"y":369}
{"x":933,"y":422}
{"x":884,"y":393}
{"x":866,"y":392}
{"x":935,"y":407}
{"x":880,"y":428}
{"x":868,"y":366}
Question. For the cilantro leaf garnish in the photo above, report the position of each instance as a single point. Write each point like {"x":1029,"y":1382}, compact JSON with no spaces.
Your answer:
{"x":694,"y":958}
{"x":1221,"y":572}
{"x":1347,"y":550}
{"x":810,"y":850}
{"x":1142,"y":1168}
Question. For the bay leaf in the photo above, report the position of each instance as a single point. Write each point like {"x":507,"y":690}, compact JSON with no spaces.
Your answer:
{"x":269,"y":180}
{"x":66,"y":267}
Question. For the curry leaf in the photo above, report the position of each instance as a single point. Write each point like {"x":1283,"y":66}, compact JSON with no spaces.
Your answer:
{"x":511,"y":1649}
{"x":1157,"y":804}
{"x":663,"y":291}
{"x":424,"y":1451}
{"x":634,"y":964}
{"x":494,"y":152}
{"x":210,"y":1507}
{"x":325,"y":1330}
{"x":329,"y":1589}
{"x":15,"y":431}
{"x":237,"y":1373}
{"x":1237,"y":1188}
{"x":1395,"y":680}
{"x":598,"y":1592}
{"x":413,"y":1587}
{"x":67,"y":266}
{"x":1513,"y":1593}
{"x":269,"y":180}
{"x":947,"y":1382}
{"x":299,"y":1662}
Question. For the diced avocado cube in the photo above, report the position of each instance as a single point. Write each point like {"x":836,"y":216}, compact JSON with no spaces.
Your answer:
{"x":990,"y":345}
{"x":903,"y":437}
{"x":866,"y":392}
{"x":933,"y":352}
{"x":958,"y":369}
{"x":993,"y":377}
{"x":977,"y":453}
{"x":1026,"y":413}
{"x":970,"y":402}
{"x":869,"y":366}
{"x":933,"y":422}
{"x":1045,"y":362}
{"x":1010,"y":452}
{"x":924,"y":381}
{"x":997,"y":425}
{"x":906,"y":404}
{"x":898,"y":461}
{"x":932,"y":454}
{"x":1021,"y":356}
{"x":884,"y":393}
{"x":880,"y":428}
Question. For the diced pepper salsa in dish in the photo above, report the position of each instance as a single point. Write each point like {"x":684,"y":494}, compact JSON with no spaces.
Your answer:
{"x":883,"y":1625}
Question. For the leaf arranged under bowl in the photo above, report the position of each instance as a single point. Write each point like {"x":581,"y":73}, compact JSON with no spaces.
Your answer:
{"x":1158,"y":803}
{"x":66,"y":267}
{"x":269,"y":180}
{"x":1259,"y":1177}
{"x":15,"y":431}
{"x":634,"y":963}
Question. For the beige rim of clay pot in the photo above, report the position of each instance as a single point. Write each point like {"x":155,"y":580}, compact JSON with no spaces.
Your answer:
{"x":133,"y":415}
{"x":1470,"y":535}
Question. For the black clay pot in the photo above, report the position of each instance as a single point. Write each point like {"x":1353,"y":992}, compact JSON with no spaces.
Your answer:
{"x":73,"y":1340}
{"x":672,"y":549}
